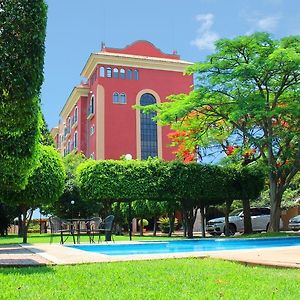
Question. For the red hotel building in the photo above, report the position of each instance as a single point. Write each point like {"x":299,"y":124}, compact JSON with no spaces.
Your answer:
{"x":98,"y":118}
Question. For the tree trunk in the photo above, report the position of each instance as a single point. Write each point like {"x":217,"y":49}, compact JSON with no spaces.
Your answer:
{"x":25,"y":223}
{"x":275,"y":199}
{"x":141,"y":227}
{"x":247,"y":217}
{"x":155,"y":226}
{"x":227,"y":210}
{"x":190,"y":216}
{"x":20,"y":225}
{"x":171,"y":223}
{"x":202,"y":211}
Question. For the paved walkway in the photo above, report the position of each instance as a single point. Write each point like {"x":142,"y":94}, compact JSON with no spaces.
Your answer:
{"x":16,"y":255}
{"x":46,"y":254}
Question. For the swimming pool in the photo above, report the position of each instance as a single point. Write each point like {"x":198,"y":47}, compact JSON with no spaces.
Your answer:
{"x":181,"y":246}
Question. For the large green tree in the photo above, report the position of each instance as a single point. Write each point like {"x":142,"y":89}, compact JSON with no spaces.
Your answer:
{"x":22,"y":35}
{"x":247,"y":94}
{"x":44,"y":186}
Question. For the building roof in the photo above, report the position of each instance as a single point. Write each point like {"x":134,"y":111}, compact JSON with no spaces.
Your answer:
{"x":141,"y":54}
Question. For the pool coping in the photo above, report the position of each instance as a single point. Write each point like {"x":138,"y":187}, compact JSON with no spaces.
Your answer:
{"x":55,"y":254}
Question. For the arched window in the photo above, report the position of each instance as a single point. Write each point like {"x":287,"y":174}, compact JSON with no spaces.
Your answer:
{"x":108,"y":72}
{"x":136,"y":75}
{"x":115,"y":98}
{"x":123,"y":98}
{"x":122,"y":73}
{"x":148,"y":129}
{"x":102,"y":72}
{"x":129,"y":74}
{"x":91,"y":109}
{"x":116,"y":73}
{"x":75,"y":139}
{"x":75,"y":114}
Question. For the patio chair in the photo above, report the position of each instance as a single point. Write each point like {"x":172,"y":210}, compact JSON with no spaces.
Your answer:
{"x":105,"y":228}
{"x":93,"y":226}
{"x":58,"y":225}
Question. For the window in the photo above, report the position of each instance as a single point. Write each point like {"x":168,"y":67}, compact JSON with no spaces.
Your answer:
{"x":92,"y":130}
{"x":69,"y":147}
{"x":91,"y":109}
{"x":59,"y":139}
{"x":102,"y":72}
{"x":69,"y":125}
{"x":115,"y":98}
{"x":123,"y":98}
{"x":148,"y":129}
{"x":129,"y":74}
{"x":122,"y":74}
{"x":136,"y":75}
{"x":108,"y":72}
{"x":116,"y":73}
{"x":75,"y":139}
{"x":75,"y":114}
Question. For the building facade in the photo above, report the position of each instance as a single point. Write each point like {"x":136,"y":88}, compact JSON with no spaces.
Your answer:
{"x":98,"y":118}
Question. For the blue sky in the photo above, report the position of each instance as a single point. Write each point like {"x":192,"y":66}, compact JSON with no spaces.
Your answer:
{"x":76,"y":28}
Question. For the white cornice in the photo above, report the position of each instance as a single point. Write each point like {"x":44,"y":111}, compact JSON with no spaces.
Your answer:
{"x":134,"y":61}
{"x":77,"y":92}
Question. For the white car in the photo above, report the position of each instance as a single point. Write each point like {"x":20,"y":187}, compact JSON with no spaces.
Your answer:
{"x":294,"y":223}
{"x":260,"y":218}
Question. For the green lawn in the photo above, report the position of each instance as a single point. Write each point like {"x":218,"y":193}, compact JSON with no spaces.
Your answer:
{"x":159,"y":279}
{"x":45,"y":238}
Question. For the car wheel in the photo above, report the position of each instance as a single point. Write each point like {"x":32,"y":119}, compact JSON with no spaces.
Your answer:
{"x":231,"y":229}
{"x":295,"y":229}
{"x":268,"y":225}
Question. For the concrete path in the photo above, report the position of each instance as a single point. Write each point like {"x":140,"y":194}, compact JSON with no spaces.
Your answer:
{"x":54,"y":254}
{"x":15,"y":255}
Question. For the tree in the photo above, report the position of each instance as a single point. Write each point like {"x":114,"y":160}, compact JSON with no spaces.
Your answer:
{"x":247,"y":92}
{"x":22,"y":35}
{"x":44,"y":186}
{"x":63,"y":206}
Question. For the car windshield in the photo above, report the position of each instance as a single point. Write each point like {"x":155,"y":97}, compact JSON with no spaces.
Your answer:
{"x":297,"y":218}
{"x":236,"y":212}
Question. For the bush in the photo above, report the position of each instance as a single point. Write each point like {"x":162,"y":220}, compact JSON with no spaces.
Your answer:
{"x":164,"y":224}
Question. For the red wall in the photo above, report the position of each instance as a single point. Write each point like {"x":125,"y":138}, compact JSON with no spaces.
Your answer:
{"x":120,"y":119}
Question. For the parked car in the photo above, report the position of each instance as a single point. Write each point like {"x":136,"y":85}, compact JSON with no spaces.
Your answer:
{"x":260,"y":217}
{"x":294,"y":223}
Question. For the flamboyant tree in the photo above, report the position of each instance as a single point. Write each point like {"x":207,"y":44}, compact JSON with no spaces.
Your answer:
{"x":22,"y":36}
{"x":247,"y":94}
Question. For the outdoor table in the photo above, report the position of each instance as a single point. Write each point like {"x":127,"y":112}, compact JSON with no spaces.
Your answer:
{"x":75,"y":223}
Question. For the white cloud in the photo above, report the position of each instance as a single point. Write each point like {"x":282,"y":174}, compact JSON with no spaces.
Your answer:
{"x":205,"y":36}
{"x":268,"y":23}
{"x":263,"y":23}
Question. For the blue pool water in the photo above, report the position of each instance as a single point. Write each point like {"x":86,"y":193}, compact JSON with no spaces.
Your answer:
{"x":161,"y":247}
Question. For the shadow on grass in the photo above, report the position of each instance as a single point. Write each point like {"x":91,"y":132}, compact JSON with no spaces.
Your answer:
{"x":24,"y":269}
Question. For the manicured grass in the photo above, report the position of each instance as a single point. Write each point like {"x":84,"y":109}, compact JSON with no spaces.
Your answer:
{"x":45,"y":238}
{"x":159,"y":279}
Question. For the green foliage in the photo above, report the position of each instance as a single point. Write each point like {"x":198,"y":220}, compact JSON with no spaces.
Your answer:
{"x":121,"y":180}
{"x":247,"y":94}
{"x":22,"y":35}
{"x":44,"y":185}
{"x":62,"y":207}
